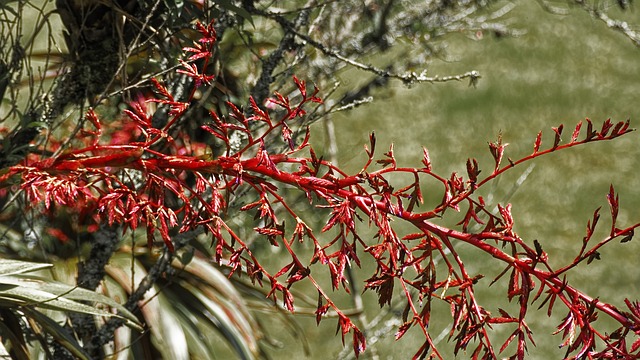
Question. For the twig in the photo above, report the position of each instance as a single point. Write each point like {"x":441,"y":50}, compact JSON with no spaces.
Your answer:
{"x":407,"y":78}
{"x":260,"y":91}
{"x":90,"y":274}
{"x":107,"y":332}
{"x":617,"y":25}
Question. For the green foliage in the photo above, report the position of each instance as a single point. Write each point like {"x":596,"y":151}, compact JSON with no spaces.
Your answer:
{"x":30,"y":304}
{"x":197,"y":300}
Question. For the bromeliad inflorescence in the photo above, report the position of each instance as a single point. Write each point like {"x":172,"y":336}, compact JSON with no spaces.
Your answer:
{"x":177,"y":189}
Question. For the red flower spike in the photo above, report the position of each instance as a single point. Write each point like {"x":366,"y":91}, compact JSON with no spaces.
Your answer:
{"x":191,"y":70}
{"x":359,"y":342}
{"x":383,"y":285}
{"x":576,"y":132}
{"x":302,"y":86}
{"x":473,"y":171}
{"x":537,"y":143}
{"x":613,"y":200}
{"x":621,"y":128}
{"x":198,"y":53}
{"x":259,"y":114}
{"x":321,"y":311}
{"x":497,"y":151}
{"x":344,"y":325}
{"x":390,"y":159}
{"x":288,"y":300}
{"x":284,"y":270}
{"x":342,"y":213}
{"x":426,"y":161}
{"x":268,"y":231}
{"x":558,"y":132}
{"x":162,"y":89}
{"x":286,"y":135}
{"x":590,"y":132}
{"x":168,"y":188}
{"x":314,"y":98}
{"x":58,"y":234}
{"x":606,"y":126}
{"x":93,"y":119}
{"x":237,"y":114}
{"x":208,"y":33}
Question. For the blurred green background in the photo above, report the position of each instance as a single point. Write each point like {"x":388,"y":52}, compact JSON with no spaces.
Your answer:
{"x":561,"y":70}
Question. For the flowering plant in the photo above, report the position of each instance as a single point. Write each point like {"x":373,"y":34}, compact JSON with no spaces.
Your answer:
{"x":160,"y":180}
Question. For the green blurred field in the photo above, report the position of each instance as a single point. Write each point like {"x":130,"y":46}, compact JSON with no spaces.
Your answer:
{"x":564,"y":69}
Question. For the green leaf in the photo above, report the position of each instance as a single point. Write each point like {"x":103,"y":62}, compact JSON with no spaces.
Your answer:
{"x":4,"y":354}
{"x":4,"y":6}
{"x":61,"y":297}
{"x":57,"y":332}
{"x":123,"y":340}
{"x":166,"y":327}
{"x":229,"y":322}
{"x":80,"y":294}
{"x":28,"y":296}
{"x":194,"y":326}
{"x":37,"y":124}
{"x":4,"y":287}
{"x":12,"y":267}
{"x":186,"y":256}
{"x":18,"y":345}
{"x":167,"y":334}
